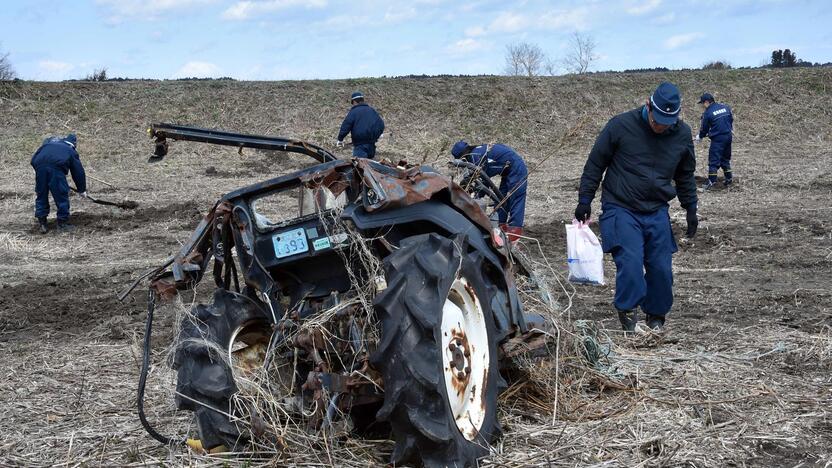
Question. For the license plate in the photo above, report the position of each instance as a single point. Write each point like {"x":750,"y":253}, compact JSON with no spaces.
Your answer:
{"x":290,"y":243}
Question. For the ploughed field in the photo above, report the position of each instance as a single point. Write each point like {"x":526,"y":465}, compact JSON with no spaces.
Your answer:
{"x":742,"y":377}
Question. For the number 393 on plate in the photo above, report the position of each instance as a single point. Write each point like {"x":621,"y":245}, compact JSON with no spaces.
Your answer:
{"x":290,"y":243}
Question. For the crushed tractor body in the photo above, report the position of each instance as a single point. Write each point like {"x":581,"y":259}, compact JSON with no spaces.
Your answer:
{"x":361,"y":290}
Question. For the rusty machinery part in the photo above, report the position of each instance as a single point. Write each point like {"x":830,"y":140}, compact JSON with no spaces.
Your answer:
{"x":438,"y":353}
{"x":163,"y":131}
{"x":441,"y":406}
{"x":230,"y":330}
{"x":476,"y":182}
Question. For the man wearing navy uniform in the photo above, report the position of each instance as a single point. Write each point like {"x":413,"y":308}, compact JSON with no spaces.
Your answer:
{"x":501,"y":160}
{"x":718,"y":125}
{"x":52,"y":161}
{"x":646,"y":159}
{"x":365,"y":126}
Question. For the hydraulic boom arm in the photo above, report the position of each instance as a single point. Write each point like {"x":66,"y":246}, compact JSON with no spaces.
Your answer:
{"x":163,"y":131}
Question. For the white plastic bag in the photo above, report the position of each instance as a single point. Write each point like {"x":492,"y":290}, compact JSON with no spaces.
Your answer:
{"x":584,"y":254}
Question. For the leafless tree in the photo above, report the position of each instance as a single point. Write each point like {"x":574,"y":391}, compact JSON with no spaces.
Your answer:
{"x":6,"y":70}
{"x":551,"y":67}
{"x":581,"y":53}
{"x":99,"y":74}
{"x":524,"y":59}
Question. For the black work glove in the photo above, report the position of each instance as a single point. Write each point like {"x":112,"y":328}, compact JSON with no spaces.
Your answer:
{"x":583,"y":211}
{"x":693,"y":222}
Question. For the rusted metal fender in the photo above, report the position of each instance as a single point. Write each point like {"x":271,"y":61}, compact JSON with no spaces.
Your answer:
{"x":403,"y":187}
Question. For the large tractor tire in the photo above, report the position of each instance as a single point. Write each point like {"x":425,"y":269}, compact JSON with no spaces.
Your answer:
{"x":216,"y":343}
{"x":437,"y":353}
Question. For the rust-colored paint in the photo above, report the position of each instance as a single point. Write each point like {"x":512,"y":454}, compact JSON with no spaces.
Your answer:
{"x":404,"y":187}
{"x":332,"y":179}
{"x":484,"y":395}
{"x":459,"y":347}
{"x":164,"y":287}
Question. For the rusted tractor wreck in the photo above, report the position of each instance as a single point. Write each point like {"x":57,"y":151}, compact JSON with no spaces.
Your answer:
{"x":362,"y":291}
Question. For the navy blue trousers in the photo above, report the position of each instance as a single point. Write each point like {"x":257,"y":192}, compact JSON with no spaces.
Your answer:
{"x":367,"y":150}
{"x":719,"y":156}
{"x":642,"y":246}
{"x":49,"y":179}
{"x":514,"y":185}
{"x":513,"y":211}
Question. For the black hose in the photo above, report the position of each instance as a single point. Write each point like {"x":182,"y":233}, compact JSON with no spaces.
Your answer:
{"x":151,"y":306}
{"x":482,"y":177}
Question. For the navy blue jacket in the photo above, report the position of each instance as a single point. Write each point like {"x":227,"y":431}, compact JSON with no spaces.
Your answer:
{"x":55,"y":153}
{"x":499,"y":158}
{"x":717,"y":120}
{"x":364,"y":123}
{"x":640,"y":165}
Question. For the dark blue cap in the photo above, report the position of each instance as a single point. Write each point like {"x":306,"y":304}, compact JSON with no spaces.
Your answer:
{"x":357,"y":95}
{"x":666,"y":104}
{"x":706,"y":97}
{"x":71,"y":139}
{"x":458,"y":148}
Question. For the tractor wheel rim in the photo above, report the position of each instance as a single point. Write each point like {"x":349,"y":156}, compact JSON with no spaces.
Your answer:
{"x":247,"y":349}
{"x":465,"y":357}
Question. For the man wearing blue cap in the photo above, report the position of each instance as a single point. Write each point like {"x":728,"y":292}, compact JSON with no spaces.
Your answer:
{"x":52,"y":161}
{"x":718,"y":125}
{"x":639,"y":153}
{"x":501,"y":160}
{"x":365,"y":125}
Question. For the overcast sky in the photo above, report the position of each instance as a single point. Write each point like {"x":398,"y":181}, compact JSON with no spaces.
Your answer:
{"x":298,"y":39}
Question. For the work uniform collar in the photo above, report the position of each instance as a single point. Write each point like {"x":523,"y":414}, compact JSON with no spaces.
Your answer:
{"x":646,"y":118}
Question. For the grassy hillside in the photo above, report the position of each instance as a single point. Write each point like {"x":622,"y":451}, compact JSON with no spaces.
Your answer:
{"x":554,"y":119}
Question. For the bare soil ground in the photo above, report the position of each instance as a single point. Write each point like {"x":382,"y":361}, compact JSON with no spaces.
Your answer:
{"x":743,"y":376}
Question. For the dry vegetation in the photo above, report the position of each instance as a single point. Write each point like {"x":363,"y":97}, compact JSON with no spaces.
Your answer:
{"x":741,"y":378}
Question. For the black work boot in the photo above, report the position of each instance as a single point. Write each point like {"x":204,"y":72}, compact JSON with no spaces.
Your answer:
{"x":42,"y":225}
{"x":628,"y":320}
{"x":655,"y":322}
{"x":64,"y":226}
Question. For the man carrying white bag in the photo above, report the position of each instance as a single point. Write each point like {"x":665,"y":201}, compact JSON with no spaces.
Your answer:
{"x":584,"y":254}
{"x":646,"y":158}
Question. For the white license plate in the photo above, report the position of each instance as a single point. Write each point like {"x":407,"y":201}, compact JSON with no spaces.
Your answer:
{"x":290,"y":243}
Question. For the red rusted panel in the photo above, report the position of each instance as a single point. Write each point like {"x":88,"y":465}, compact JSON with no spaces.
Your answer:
{"x":404,"y":187}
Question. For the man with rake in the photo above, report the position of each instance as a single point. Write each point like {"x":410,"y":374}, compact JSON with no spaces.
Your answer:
{"x":646,"y":158}
{"x":52,"y":162}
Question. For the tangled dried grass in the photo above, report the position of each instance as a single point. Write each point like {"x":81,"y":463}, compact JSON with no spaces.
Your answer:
{"x":545,"y":391}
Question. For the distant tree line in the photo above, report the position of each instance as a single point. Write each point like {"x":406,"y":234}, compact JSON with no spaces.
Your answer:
{"x":120,"y":78}
{"x":646,"y":70}
{"x":193,"y":78}
{"x":527,"y":59}
{"x":787,"y":59}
